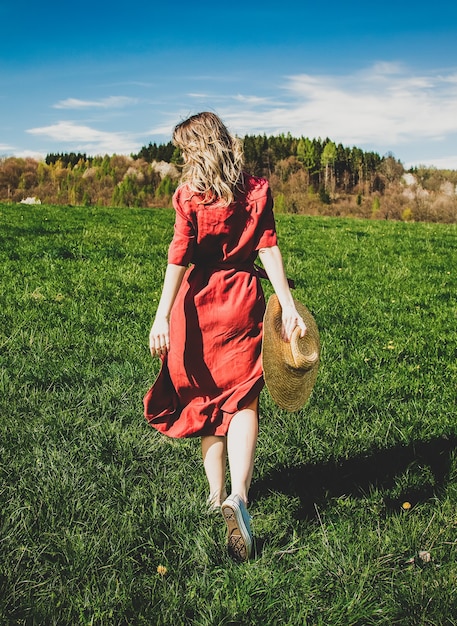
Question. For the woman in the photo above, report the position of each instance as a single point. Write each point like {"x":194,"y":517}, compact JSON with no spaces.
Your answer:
{"x":208,"y":325}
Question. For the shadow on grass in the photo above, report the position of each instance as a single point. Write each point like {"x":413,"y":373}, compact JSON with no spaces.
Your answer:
{"x":412,"y":473}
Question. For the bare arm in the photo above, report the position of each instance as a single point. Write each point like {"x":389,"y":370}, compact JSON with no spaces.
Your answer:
{"x":272,"y":261}
{"x":159,"y":337}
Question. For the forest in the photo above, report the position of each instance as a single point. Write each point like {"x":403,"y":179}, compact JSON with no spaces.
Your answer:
{"x":307,"y":176}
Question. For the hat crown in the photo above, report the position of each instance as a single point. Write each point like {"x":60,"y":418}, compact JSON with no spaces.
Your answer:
{"x":303,"y":354}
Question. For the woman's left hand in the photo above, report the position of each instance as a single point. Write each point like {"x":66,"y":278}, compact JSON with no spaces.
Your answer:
{"x":159,"y":337}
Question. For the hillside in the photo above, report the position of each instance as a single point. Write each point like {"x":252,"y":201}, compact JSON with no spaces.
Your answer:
{"x":314,"y":177}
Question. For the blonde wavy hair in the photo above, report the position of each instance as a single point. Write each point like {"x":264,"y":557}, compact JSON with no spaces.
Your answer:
{"x":213,"y":158}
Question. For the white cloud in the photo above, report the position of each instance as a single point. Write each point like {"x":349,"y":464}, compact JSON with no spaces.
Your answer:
{"x":87,"y":139}
{"x":256,"y":100}
{"x":383,"y":105}
{"x":198,"y":95}
{"x":445,"y":163}
{"x":245,"y":99}
{"x":33,"y":154}
{"x":112,"y":102}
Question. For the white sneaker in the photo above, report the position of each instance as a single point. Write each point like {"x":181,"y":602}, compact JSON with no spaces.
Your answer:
{"x":239,"y":534}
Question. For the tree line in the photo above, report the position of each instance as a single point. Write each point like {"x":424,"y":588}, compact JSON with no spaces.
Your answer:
{"x":313,"y":176}
{"x":326,"y":163}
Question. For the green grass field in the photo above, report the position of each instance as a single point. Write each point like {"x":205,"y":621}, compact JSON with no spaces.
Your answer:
{"x":92,"y":500}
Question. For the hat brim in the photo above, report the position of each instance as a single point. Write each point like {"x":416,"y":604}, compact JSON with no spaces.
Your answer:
{"x":289,"y":386}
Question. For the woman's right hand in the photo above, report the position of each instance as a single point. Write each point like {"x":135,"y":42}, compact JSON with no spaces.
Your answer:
{"x":291,"y":318}
{"x":159,"y":337}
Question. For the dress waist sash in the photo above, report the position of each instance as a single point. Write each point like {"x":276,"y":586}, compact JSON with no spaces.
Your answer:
{"x":252,"y":268}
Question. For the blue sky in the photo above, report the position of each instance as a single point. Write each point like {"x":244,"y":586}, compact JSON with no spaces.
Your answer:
{"x":106,"y":78}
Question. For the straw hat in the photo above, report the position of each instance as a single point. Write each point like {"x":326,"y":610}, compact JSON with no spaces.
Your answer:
{"x":289,"y":368}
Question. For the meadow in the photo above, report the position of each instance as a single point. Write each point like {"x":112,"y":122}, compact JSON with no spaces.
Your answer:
{"x":354,"y":497}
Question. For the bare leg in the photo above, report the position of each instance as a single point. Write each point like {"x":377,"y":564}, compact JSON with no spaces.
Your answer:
{"x":214,"y":453}
{"x":241,"y":442}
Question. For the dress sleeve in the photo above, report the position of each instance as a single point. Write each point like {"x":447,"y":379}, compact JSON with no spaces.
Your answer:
{"x":267,"y":227}
{"x":181,"y":249}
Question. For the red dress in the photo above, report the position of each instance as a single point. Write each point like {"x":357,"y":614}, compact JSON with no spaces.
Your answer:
{"x":213,"y":368}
